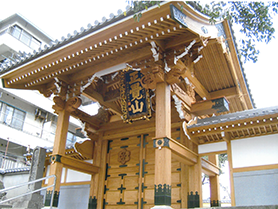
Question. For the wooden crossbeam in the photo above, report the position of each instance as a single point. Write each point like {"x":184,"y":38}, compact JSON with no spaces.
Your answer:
{"x":79,"y":165}
{"x":210,"y":106}
{"x":228,"y":93}
{"x":179,"y":151}
{"x":199,"y":88}
{"x":209,"y":168}
{"x":186,"y":156}
{"x":95,"y":96}
{"x":93,"y":121}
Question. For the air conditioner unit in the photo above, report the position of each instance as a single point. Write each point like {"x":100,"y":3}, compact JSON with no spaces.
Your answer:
{"x":41,"y":114}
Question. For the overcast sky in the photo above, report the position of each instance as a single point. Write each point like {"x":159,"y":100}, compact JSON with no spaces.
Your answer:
{"x":57,"y":18}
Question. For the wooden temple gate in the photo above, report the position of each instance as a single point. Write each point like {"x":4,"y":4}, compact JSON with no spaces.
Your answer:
{"x":151,"y":79}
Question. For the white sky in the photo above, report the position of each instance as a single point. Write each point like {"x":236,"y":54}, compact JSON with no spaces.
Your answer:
{"x":57,"y":18}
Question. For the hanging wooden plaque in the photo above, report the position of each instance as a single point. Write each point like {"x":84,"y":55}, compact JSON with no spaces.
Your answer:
{"x":135,"y":100}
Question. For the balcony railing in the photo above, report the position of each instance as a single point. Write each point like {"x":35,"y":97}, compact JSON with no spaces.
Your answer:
{"x":7,"y":162}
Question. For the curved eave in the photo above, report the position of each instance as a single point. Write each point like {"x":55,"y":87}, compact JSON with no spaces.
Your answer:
{"x":242,"y":82}
{"x":74,"y":51}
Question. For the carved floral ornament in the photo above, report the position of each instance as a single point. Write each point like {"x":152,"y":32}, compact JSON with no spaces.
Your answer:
{"x":124,"y":156}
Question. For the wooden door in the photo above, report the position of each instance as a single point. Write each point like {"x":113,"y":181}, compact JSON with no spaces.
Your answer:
{"x":130,"y":184}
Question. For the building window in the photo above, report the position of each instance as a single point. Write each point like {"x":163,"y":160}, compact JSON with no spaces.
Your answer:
{"x":25,"y":37}
{"x":12,"y":116}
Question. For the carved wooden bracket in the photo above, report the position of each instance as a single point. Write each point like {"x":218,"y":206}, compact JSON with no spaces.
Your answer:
{"x":71,"y":105}
{"x":59,"y":104}
{"x":152,"y":76}
{"x":173,"y":76}
{"x":86,"y":148}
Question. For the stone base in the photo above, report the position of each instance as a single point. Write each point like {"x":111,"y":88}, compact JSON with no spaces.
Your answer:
{"x":33,"y":201}
{"x":162,"y":207}
{"x":5,"y":206}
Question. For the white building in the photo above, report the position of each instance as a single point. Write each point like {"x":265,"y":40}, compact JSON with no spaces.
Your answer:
{"x":26,"y":117}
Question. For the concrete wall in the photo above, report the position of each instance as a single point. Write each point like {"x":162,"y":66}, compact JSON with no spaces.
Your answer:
{"x":72,"y":197}
{"x":256,"y":187}
{"x":259,"y":185}
{"x":13,"y":179}
{"x":255,"y":151}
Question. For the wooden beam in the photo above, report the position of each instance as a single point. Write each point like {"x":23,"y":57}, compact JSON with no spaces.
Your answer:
{"x":226,"y":136}
{"x":209,"y":168}
{"x":95,"y":96}
{"x":111,"y":61}
{"x":111,"y":96}
{"x":183,"y":96}
{"x":79,"y":165}
{"x":93,"y":121}
{"x":210,"y":106}
{"x":228,"y":93}
{"x":199,"y":88}
{"x":179,"y":151}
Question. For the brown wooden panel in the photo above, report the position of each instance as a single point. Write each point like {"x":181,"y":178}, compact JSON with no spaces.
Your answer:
{"x":149,"y":196}
{"x":130,"y":196}
{"x":133,"y":156}
{"x":149,"y":180}
{"x":112,"y":197}
{"x":121,"y":206}
{"x":125,"y":142}
{"x":130,"y":182}
{"x":176,"y":178}
{"x":175,"y":194}
{"x":122,"y":182}
{"x":113,"y":182}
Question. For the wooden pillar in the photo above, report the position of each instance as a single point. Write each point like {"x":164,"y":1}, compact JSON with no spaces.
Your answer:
{"x":56,"y":166}
{"x":214,"y":184}
{"x":95,"y":177}
{"x":162,"y":183}
{"x":63,"y":109}
{"x":184,"y":173}
{"x":194,"y":198}
{"x":230,"y":161}
{"x":102,"y":174}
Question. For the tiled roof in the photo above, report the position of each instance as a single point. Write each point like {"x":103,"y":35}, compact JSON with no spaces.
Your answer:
{"x":65,"y":40}
{"x":14,"y":170}
{"x":235,"y":116}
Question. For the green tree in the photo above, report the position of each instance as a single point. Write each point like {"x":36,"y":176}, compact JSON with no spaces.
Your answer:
{"x":254,"y":19}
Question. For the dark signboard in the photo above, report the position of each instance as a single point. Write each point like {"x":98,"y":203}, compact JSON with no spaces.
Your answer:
{"x":135,"y":100}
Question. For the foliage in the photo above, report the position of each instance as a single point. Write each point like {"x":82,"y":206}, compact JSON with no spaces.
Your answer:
{"x":254,"y":19}
{"x":138,"y":6}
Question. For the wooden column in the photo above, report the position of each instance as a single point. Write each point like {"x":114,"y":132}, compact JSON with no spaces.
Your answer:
{"x":63,"y":109}
{"x":195,"y":182}
{"x":162,"y":195}
{"x":184,"y":173}
{"x":227,"y":138}
{"x":56,"y":166}
{"x":214,"y":184}
{"x":102,"y":174}
{"x":95,"y":177}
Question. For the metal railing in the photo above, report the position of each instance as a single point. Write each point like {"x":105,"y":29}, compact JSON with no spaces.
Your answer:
{"x":31,"y":192}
